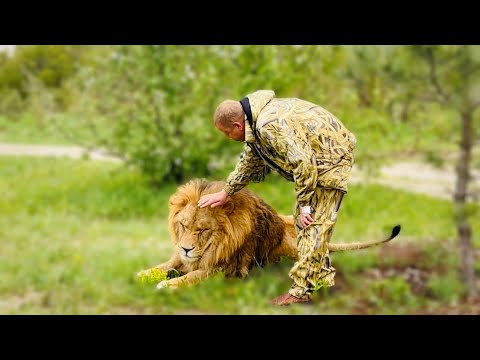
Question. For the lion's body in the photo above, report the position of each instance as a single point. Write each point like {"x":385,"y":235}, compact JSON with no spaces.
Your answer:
{"x":232,"y":238}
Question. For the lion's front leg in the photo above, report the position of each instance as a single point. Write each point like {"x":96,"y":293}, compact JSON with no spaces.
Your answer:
{"x":191,"y":278}
{"x":173,"y":263}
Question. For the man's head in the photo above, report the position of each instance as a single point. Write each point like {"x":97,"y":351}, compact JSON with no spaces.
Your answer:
{"x":229,"y":118}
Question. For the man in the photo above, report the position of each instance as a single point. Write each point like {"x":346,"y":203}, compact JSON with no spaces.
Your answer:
{"x":306,"y":144}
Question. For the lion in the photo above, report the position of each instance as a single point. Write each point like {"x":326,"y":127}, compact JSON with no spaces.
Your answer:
{"x":233,"y":238}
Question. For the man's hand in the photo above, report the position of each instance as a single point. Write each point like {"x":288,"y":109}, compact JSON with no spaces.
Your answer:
{"x":215,"y":199}
{"x":305,"y":220}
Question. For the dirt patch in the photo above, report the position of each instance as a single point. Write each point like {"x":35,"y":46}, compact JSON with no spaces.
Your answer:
{"x":465,"y":308}
{"x":74,"y":152}
{"x":416,"y":278}
{"x":14,"y":303}
{"x":419,"y":177}
{"x":411,"y":262}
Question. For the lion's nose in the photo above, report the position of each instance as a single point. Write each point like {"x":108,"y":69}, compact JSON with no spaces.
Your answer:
{"x":187,"y":250}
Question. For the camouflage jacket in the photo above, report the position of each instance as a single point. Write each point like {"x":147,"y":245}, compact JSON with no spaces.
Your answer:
{"x":302,"y":141}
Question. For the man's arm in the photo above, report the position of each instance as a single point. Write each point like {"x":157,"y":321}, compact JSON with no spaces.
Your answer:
{"x":249,"y":167}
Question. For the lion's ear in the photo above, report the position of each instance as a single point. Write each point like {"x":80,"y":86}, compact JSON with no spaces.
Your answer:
{"x":228,"y":207}
{"x":176,"y":200}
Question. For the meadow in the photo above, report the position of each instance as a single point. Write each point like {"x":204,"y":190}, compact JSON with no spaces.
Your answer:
{"x":75,"y":232}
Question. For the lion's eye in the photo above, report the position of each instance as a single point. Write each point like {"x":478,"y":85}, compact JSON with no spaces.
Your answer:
{"x":201,"y":231}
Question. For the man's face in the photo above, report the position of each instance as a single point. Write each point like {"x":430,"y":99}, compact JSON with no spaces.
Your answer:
{"x":235,"y":132}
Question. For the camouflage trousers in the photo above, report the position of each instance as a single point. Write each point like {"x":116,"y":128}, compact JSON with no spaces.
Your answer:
{"x":314,"y":270}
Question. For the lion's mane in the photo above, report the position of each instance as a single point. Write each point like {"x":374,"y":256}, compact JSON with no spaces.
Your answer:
{"x":243,"y":233}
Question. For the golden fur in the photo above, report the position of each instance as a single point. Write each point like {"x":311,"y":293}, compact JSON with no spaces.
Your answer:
{"x":232,"y":238}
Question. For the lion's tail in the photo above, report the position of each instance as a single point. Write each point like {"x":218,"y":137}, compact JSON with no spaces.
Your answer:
{"x":363,"y":245}
{"x":291,"y":235}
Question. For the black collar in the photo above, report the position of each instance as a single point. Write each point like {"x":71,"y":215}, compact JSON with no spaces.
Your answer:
{"x":248,"y":111}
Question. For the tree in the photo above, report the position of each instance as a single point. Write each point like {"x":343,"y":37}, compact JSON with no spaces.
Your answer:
{"x":453,"y":77}
{"x":50,"y":65}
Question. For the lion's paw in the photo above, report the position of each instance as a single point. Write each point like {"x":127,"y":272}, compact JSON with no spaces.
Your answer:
{"x":162,"y":284}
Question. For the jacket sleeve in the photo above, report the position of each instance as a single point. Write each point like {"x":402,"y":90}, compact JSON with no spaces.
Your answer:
{"x":250,"y":167}
{"x":298,"y":157}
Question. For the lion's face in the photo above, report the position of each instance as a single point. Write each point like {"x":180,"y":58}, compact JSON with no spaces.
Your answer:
{"x":199,"y":233}
{"x":195,"y":232}
{"x":216,"y":238}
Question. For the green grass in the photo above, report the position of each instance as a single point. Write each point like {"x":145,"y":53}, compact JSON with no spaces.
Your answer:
{"x":54,"y":129}
{"x":74,"y":233}
{"x":27,"y":129}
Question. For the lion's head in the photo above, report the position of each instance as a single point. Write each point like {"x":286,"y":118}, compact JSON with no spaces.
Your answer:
{"x":232,"y":237}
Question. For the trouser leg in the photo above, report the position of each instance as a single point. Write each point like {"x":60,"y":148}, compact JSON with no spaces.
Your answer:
{"x":314,"y":270}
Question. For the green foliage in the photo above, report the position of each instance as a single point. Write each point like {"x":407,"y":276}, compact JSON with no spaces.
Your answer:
{"x":453,"y":70}
{"x":30,"y":129}
{"x":153,"y":106}
{"x":11,"y":103}
{"x":10,"y":75}
{"x":364,"y":70}
{"x":49,"y":64}
{"x":394,"y":291}
{"x":152,"y":276}
{"x":446,"y":287}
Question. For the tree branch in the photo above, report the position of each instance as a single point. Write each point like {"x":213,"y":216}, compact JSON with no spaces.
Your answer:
{"x":433,"y":76}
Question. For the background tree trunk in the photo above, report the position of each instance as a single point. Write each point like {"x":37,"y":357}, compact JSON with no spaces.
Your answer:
{"x":460,"y":199}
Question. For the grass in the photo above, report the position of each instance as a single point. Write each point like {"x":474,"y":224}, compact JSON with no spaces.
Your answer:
{"x":27,"y":129}
{"x":75,"y":232}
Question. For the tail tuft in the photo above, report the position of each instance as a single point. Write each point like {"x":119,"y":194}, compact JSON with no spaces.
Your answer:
{"x":395,"y":231}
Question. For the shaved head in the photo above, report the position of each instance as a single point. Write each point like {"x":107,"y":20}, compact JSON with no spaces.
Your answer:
{"x":228,"y":112}
{"x":229,"y":119}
